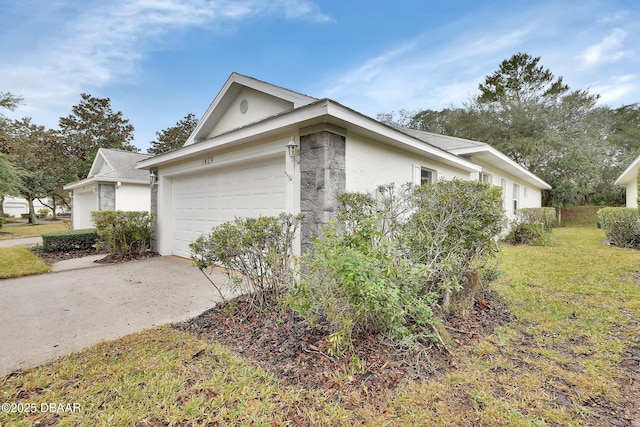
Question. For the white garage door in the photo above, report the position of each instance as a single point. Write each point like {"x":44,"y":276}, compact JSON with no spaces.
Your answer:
{"x":203,"y":200}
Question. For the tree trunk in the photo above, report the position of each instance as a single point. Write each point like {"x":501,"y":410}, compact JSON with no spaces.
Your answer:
{"x":33,"y":218}
{"x":1,"y":206}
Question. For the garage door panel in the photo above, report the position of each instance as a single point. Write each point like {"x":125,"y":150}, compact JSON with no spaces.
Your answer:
{"x":204,"y":200}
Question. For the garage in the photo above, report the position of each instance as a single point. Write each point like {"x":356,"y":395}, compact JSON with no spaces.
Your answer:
{"x":203,"y":200}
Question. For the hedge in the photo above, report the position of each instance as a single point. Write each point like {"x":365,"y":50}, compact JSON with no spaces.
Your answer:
{"x":69,"y":240}
{"x":621,"y":225}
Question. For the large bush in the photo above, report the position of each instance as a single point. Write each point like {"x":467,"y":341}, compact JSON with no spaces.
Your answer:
{"x":123,"y":233}
{"x":621,"y":226}
{"x":386,"y":262}
{"x":256,"y":254}
{"x":546,"y":217}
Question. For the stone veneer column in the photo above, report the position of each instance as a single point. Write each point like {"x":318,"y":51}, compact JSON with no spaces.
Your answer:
{"x":153,"y":245}
{"x":322,"y":179}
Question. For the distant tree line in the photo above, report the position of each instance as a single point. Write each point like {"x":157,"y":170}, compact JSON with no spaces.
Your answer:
{"x":559,"y":134}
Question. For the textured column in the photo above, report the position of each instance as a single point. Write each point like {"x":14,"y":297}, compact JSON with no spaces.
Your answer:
{"x":153,"y":245}
{"x":322,"y":179}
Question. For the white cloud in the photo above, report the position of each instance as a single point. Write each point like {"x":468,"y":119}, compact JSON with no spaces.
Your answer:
{"x":617,"y":89}
{"x":102,"y":42}
{"x":608,"y":50}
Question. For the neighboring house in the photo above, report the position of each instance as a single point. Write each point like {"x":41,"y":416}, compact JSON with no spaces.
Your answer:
{"x":16,"y":206}
{"x":629,"y":178}
{"x":261,"y":149}
{"x":113,"y":183}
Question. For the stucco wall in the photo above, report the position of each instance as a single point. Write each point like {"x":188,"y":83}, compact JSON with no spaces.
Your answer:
{"x":370,"y":164}
{"x":258,"y":106}
{"x":632,"y":194}
{"x":132,"y":197}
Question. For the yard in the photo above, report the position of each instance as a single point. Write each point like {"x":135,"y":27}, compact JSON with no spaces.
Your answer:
{"x":569,"y":355}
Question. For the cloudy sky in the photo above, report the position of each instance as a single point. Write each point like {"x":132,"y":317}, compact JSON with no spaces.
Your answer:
{"x":158,"y":60}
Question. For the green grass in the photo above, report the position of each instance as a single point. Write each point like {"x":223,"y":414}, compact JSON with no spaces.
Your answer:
{"x":26,"y":230}
{"x":19,"y":261}
{"x":576,"y":305}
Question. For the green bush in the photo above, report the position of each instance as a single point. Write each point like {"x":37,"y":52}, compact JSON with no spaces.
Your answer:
{"x":454,"y":232}
{"x":256,"y":253}
{"x":546,"y":217}
{"x":69,"y":240}
{"x":123,"y":233}
{"x":524,"y":233}
{"x":621,"y":226}
{"x":386,"y":262}
{"x":43,"y":213}
{"x":2,"y":219}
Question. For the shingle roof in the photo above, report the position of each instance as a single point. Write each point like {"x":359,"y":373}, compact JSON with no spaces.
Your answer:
{"x":123,"y":165}
{"x":444,"y":142}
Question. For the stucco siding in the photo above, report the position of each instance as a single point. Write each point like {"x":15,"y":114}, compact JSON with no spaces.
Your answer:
{"x":632,"y":194}
{"x":370,"y":164}
{"x":256,"y":106}
{"x":130,"y":197}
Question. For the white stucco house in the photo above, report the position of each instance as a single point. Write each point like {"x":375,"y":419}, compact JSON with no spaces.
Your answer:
{"x":629,"y":179}
{"x":16,"y":206}
{"x":113,"y":183}
{"x":260,"y":149}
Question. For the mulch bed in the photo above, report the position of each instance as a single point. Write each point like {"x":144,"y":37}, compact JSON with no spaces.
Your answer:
{"x":283,"y":343}
{"x":51,"y":258}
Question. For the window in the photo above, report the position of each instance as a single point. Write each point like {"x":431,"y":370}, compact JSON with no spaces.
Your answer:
{"x":427,"y":175}
{"x":485,"y":177}
{"x":503,"y":184}
{"x":516,"y":197}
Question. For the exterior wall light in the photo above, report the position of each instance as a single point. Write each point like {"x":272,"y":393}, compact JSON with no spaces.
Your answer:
{"x":292,"y":149}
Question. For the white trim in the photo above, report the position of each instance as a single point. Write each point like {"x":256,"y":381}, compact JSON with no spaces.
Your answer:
{"x":629,"y":173}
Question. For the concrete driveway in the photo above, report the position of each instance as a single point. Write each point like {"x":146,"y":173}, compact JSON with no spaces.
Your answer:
{"x":49,"y":315}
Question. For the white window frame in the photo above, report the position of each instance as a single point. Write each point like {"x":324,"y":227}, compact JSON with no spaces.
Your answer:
{"x":516,"y":197}
{"x":485,"y":177}
{"x":417,"y":174}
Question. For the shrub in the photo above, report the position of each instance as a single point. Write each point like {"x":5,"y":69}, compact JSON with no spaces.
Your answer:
{"x":2,"y":219}
{"x":386,"y":262}
{"x":43,"y":213}
{"x":123,"y":233}
{"x":453,"y":232}
{"x":621,"y":226}
{"x":69,"y":240}
{"x":256,"y":254}
{"x":546,"y":217}
{"x":526,"y":233}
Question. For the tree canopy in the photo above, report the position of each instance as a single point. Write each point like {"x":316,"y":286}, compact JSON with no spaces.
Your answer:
{"x":174,"y":137}
{"x":559,"y":134}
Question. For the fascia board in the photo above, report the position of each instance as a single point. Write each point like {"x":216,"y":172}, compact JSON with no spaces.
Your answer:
{"x":501,"y":157}
{"x":628,"y":173}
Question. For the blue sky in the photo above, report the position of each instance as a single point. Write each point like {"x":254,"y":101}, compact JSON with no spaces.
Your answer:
{"x":160,"y":59}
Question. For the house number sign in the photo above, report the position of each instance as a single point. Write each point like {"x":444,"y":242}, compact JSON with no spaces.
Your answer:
{"x":207,"y":160}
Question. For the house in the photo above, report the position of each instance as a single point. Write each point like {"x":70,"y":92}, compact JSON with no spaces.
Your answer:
{"x":17,"y":206}
{"x":261,"y":149}
{"x":629,"y":178}
{"x":113,"y":183}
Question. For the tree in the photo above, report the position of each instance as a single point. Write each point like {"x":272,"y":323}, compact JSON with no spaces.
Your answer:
{"x":90,"y":126}
{"x":174,"y":137}
{"x":9,"y":177}
{"x":31,"y":149}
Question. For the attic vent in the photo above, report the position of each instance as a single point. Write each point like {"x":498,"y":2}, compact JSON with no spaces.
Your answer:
{"x":244,"y":106}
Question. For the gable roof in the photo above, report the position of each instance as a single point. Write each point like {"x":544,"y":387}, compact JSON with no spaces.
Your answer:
{"x":630,"y":174}
{"x":231,"y":89}
{"x":112,"y":165}
{"x":479,"y":150}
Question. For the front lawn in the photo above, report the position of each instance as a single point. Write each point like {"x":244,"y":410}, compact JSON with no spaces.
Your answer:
{"x":27,"y":230}
{"x":19,"y":261}
{"x":568,"y":357}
